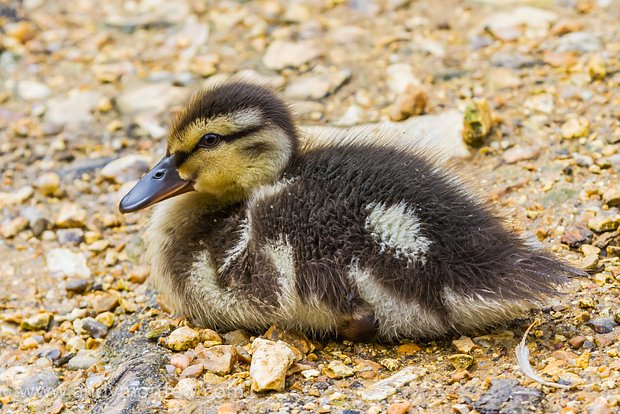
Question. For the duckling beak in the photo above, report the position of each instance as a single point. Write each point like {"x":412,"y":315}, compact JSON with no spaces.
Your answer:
{"x":162,"y":182}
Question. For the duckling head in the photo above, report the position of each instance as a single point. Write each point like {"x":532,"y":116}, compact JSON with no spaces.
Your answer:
{"x":226,"y":142}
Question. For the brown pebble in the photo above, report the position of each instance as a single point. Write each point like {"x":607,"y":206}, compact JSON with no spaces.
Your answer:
{"x":139,"y":274}
{"x":577,"y":341}
{"x":179,"y":361}
{"x":410,"y":103}
{"x":228,"y":408}
{"x":408,"y":349}
{"x":193,"y":371}
{"x":399,"y":407}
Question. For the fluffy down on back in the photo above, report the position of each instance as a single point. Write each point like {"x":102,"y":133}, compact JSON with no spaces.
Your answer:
{"x":350,"y":239}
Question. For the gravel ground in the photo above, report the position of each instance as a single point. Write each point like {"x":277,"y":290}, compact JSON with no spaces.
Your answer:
{"x":86,"y":91}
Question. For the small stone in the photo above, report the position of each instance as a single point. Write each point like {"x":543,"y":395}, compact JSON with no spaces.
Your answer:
{"x":317,"y":86}
{"x":205,"y":65}
{"x":399,"y":77}
{"x":581,"y":42}
{"x":237,"y":337}
{"x":281,"y":54}
{"x":32,"y":90}
{"x":83,"y":360}
{"x":11,"y":228}
{"x":77,"y":285}
{"x":40,"y":384}
{"x":106,"y":318}
{"x":599,"y":406}
{"x":583,"y":361}
{"x":297,"y":340}
{"x":229,"y":408}
{"x":218,"y":359}
{"x":411,"y":102}
{"x":71,"y":215}
{"x":310,"y":373}
{"x":127,"y":168}
{"x":104,"y":301}
{"x":182,"y":339}
{"x":590,"y":263}
{"x":186,"y":388}
{"x":94,"y":328}
{"x":144,"y":99}
{"x":72,"y":112}
{"x":180,"y":361}
{"x":602,"y":325}
{"x":21,"y":31}
{"x":576,"y":236}
{"x":75,"y":344}
{"x":477,"y":122}
{"x":507,"y":396}
{"x":139,"y":274}
{"x":597,"y":68}
{"x":70,"y":236}
{"x":461,"y":361}
{"x":464,"y":344}
{"x":600,"y":224}
{"x":270,"y":361}
{"x":37,"y":322}
{"x":399,"y":408}
{"x":338,"y":369}
{"x":577,"y":341}
{"x":521,"y":22}
{"x":17,"y":197}
{"x":381,"y":390}
{"x":519,"y":153}
{"x":611,"y":197}
{"x":193,"y":371}
{"x":575,"y":128}
{"x":408,"y":349}
{"x":158,"y":332}
{"x":587,"y":303}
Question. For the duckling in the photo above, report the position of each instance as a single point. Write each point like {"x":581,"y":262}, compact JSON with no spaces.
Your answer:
{"x":354,"y":240}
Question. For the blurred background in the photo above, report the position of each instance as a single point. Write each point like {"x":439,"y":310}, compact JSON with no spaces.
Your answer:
{"x":525,"y":92}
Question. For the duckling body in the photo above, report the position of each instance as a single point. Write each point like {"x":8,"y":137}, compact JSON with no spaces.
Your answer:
{"x":354,"y":240}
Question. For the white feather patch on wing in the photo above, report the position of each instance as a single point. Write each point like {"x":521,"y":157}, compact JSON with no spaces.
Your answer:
{"x":398,"y":228}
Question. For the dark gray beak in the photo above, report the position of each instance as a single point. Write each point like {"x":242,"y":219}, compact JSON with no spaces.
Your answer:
{"x":162,"y":182}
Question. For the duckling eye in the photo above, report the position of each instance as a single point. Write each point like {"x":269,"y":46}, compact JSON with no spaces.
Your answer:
{"x":209,"y":140}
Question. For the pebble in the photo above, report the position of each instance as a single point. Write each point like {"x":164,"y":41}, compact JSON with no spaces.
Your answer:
{"x":409,"y":348}
{"x":597,"y":68}
{"x":270,"y":361}
{"x":21,"y":31}
{"x":149,"y":99}
{"x":464,"y":344}
{"x":602,"y":325}
{"x":600,"y":224}
{"x":127,"y":168}
{"x":73,"y":236}
{"x":16,"y":197}
{"x":525,"y":21}
{"x":352,"y":116}
{"x":106,"y":318}
{"x":238,"y":337}
{"x":383,"y":389}
{"x":94,"y":328}
{"x":186,"y":388}
{"x":64,"y":262}
{"x":75,"y":344}
{"x":519,"y":153}
{"x":83,"y":360}
{"x":317,"y":86}
{"x":461,"y":361}
{"x":337,"y":369}
{"x":477,"y":122}
{"x":219,"y":359}
{"x":281,"y":54}
{"x":179,"y":361}
{"x":47,"y":184}
{"x":611,"y":197}
{"x":399,"y":77}
{"x":73,"y":112}
{"x":399,"y":407}
{"x":182,"y":339}
{"x":76,"y":285}
{"x":32,"y":90}
{"x":577,"y":341}
{"x":599,"y":406}
{"x":508,"y":396}
{"x":37,"y":322}
{"x":40,"y":384}
{"x":575,"y":128}
{"x":193,"y":371}
{"x":581,"y":42}
{"x":139,"y":274}
{"x":11,"y":228}
{"x":104,"y":301}
{"x":71,"y":215}
{"x":411,"y":102}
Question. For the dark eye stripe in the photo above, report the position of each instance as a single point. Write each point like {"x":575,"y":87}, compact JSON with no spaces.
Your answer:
{"x":182,"y":156}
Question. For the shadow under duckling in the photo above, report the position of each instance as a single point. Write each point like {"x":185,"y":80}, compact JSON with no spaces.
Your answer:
{"x":353,"y":239}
